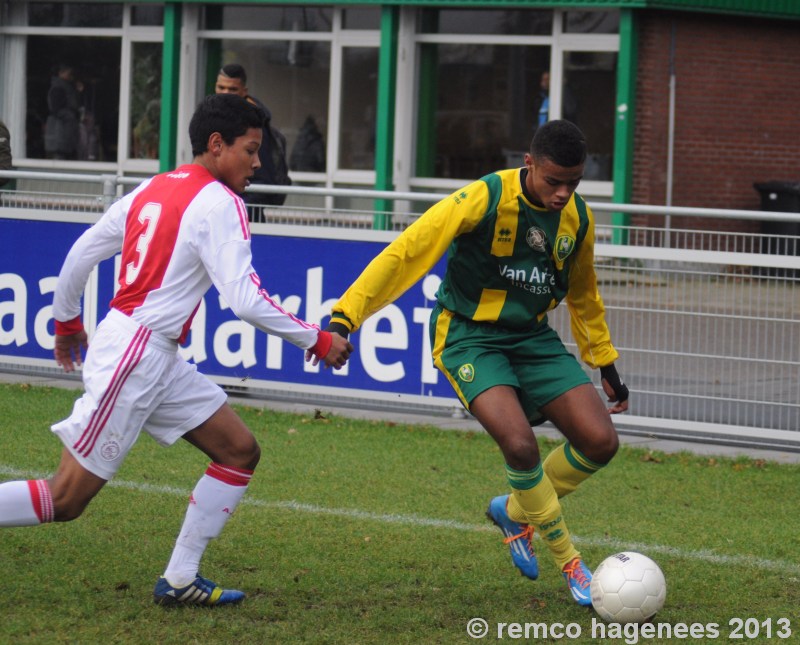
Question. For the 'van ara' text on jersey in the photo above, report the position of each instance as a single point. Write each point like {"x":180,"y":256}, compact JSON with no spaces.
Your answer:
{"x":536,"y":280}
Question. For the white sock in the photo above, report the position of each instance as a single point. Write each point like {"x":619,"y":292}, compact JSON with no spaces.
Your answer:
{"x":25,"y":503}
{"x":211,"y":504}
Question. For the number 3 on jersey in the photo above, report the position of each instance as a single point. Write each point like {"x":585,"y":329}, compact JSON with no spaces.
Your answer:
{"x":148,"y":216}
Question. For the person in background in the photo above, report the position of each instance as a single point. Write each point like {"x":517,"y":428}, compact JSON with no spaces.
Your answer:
{"x":146,"y":132}
{"x":232,"y":79}
{"x":178,"y":232}
{"x":569,"y":105}
{"x":5,"y":152}
{"x":62,"y":127}
{"x":308,"y":152}
{"x":518,"y":242}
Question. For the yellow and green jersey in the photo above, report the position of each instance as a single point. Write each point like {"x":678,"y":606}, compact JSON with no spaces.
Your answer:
{"x":509,"y":262}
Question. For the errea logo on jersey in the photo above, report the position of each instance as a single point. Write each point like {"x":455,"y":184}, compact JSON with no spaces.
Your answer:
{"x":178,"y":175}
{"x":504,"y":235}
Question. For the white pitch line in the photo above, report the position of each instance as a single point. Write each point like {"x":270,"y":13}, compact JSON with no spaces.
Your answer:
{"x":704,"y":555}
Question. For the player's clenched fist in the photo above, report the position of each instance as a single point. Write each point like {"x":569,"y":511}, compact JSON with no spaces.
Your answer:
{"x":69,"y":350}
{"x":331,"y":348}
{"x":340,"y":351}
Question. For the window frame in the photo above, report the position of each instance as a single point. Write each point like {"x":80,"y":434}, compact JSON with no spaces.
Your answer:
{"x":338,"y":38}
{"x":127,"y":34}
{"x":407,"y":102}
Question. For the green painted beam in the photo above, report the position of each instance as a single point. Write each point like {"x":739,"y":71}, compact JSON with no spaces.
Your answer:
{"x":424,"y":164}
{"x":170,"y":71}
{"x":384,"y":123}
{"x":625,"y":120}
{"x":789,"y":9}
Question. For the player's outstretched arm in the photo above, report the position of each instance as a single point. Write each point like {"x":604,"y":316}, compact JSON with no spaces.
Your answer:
{"x":70,"y":350}
{"x":615,"y":389}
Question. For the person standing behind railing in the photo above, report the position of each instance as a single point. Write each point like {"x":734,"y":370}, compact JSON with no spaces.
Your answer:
{"x":232,"y":79}
{"x":62,"y":128}
{"x":5,"y":152}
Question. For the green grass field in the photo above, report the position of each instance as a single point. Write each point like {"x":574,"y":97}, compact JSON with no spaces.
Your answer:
{"x":372,"y":532}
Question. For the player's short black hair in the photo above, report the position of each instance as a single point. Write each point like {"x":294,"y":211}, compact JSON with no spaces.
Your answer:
{"x":234,"y":70}
{"x":229,"y":114}
{"x":560,"y":141}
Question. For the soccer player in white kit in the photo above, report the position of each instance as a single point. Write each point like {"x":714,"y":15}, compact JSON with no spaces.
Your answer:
{"x":179,"y":232}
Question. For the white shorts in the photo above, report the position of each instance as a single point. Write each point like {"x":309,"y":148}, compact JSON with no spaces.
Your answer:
{"x":134,"y":380}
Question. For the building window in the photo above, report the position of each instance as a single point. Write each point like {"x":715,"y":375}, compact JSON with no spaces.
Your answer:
{"x":483,"y":102}
{"x":357,"y":121}
{"x":484,"y":79}
{"x":291,"y":77}
{"x":316,"y":70}
{"x":147,"y":15}
{"x":72,"y":97}
{"x":588,"y":98}
{"x":74,"y":14}
{"x":591,"y":22}
{"x":145,"y":100}
{"x":486,"y":21}
{"x":91,"y":77}
{"x":268,"y":18}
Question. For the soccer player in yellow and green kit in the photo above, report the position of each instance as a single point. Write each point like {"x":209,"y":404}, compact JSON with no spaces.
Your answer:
{"x":518,"y":241}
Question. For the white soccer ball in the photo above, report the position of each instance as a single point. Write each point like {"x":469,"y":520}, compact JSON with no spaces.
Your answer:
{"x":628,"y":587}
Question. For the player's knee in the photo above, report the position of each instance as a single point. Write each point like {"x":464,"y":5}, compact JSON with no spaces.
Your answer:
{"x":66,"y":510}
{"x":522,"y":453}
{"x":255,"y":455}
{"x":603,"y":447}
{"x":245,"y":453}
{"x":69,"y":498}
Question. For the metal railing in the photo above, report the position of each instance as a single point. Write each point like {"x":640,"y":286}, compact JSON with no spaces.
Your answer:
{"x":707,"y":322}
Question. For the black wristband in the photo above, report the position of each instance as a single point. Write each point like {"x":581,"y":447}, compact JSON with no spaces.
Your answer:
{"x":610,"y":374}
{"x":338,"y":328}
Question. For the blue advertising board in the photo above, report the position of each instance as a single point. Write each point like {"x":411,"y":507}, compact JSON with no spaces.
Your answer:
{"x":304,"y":269}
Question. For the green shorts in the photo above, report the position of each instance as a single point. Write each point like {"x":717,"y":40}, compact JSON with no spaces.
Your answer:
{"x":476,"y":356}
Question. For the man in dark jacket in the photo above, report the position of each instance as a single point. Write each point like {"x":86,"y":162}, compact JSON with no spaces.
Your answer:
{"x":232,"y":79}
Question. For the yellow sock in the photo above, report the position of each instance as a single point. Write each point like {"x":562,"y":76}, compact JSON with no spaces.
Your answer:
{"x":565,"y":467}
{"x":534,"y":501}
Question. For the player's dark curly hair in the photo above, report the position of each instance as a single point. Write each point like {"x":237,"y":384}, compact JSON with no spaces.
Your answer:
{"x":560,"y":141}
{"x":229,"y":114}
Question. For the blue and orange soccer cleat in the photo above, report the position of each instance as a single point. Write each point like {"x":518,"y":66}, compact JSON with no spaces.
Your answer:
{"x":579,"y":579}
{"x":200,"y":592}
{"x":519,"y":537}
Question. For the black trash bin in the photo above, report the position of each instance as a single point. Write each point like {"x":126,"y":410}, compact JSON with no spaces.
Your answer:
{"x":784,"y":197}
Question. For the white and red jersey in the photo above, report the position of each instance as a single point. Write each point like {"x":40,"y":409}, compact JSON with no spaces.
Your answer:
{"x":179,"y":233}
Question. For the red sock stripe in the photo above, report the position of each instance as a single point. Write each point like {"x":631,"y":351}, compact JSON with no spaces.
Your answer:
{"x":41,"y":499}
{"x":229,"y":474}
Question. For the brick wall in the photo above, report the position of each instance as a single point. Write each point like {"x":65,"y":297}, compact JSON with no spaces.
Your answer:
{"x":737,"y":117}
